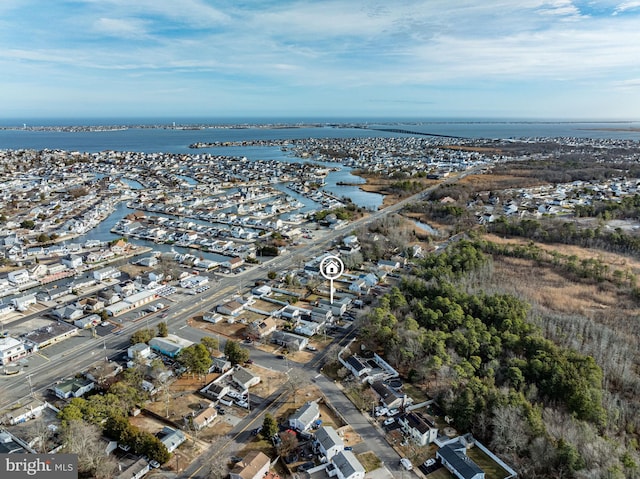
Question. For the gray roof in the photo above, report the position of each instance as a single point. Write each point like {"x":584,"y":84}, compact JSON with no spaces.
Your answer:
{"x":347,"y":463}
{"x":306,"y":413}
{"x":328,"y":437}
{"x":8,"y":445}
{"x":242,"y":375}
{"x":417,"y":421}
{"x":454,"y":455}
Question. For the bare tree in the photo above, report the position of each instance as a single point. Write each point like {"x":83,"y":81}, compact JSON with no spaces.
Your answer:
{"x":83,"y":439}
{"x":509,"y":429}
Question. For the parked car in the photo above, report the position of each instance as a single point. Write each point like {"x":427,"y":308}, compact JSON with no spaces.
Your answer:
{"x":280,"y":356}
{"x":348,"y":448}
{"x":154,"y":464}
{"x":429,"y":462}
{"x":406,"y":463}
{"x":311,"y":348}
{"x":393,"y":411}
{"x":381,"y":412}
{"x":305,"y":466}
{"x":388,"y":422}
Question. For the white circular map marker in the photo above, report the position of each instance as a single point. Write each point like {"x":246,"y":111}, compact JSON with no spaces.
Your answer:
{"x":331,"y":267}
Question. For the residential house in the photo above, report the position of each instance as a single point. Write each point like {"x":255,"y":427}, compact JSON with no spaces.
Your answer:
{"x":140,"y":350}
{"x":171,"y":438}
{"x":255,"y":465}
{"x":390,"y":397}
{"x":327,"y":442}
{"x":22,"y":303}
{"x":32,"y":409}
{"x":68,"y":313}
{"x":357,"y":366}
{"x":244,"y":378}
{"x":103,"y":371}
{"x":321,"y":315}
{"x":18,"y":277}
{"x":106,"y":273}
{"x":73,"y":387}
{"x":292,"y":342}
{"x":219,"y":365}
{"x":203,"y":418}
{"x":72,"y":261}
{"x":305,"y":416}
{"x":346,"y":466}
{"x":454,"y":457}
{"x":136,"y":470}
{"x":262,"y":290}
{"x":359,"y":286}
{"x":262,"y":328}
{"x":422,"y":429}
{"x":230,"y":308}
{"x":388,"y":265}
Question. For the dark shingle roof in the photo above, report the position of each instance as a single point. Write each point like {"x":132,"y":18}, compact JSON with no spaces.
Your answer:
{"x":465,"y":467}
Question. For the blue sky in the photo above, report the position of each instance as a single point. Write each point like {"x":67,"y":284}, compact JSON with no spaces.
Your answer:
{"x":557,"y":59}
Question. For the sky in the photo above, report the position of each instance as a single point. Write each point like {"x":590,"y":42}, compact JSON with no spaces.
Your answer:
{"x":517,"y":59}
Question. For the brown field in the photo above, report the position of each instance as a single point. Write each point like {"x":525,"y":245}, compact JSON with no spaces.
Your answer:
{"x":499,"y":182}
{"x":551,"y":290}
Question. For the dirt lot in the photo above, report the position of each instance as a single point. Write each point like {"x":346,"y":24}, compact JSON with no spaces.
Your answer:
{"x":233,"y":331}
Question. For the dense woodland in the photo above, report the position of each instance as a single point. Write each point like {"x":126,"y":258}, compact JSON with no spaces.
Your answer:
{"x":541,"y":404}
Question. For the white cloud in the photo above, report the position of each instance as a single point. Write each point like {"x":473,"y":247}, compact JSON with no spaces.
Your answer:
{"x":119,"y":27}
{"x":630,"y":5}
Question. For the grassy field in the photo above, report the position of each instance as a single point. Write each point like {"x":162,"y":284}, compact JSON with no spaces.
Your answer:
{"x":441,"y":473}
{"x":489,"y":466}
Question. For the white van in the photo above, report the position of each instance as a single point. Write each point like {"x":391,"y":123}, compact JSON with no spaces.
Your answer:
{"x":406,"y":463}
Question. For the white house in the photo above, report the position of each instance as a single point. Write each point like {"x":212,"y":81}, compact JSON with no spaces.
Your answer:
{"x":328,"y":442}
{"x":73,"y":387}
{"x":23,"y":302}
{"x":140,"y":350}
{"x":244,"y":378}
{"x":305,"y":416}
{"x":11,"y":350}
{"x":422,"y":429}
{"x":346,"y":466}
{"x":19,"y":277}
{"x":171,"y":438}
{"x":106,"y":273}
{"x":453,"y":456}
